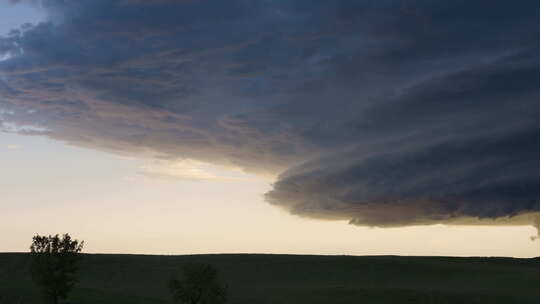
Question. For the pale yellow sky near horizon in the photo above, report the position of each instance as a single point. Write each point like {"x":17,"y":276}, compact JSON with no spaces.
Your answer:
{"x":128,"y":205}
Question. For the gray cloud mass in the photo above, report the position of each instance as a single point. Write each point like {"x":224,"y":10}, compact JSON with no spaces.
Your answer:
{"x":384,"y":113}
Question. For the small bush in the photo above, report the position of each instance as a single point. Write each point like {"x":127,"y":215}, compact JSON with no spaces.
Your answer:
{"x":199,"y":285}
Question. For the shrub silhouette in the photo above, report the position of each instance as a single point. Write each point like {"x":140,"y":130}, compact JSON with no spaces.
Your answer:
{"x":54,"y":265}
{"x":199,"y":285}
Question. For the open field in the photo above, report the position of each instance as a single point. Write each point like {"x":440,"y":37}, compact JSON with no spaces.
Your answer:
{"x":137,"y":279}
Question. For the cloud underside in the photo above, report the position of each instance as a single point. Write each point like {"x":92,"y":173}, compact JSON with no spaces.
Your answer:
{"x":386,"y":113}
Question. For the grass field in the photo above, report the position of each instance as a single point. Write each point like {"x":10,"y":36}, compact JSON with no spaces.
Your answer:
{"x":137,"y":279}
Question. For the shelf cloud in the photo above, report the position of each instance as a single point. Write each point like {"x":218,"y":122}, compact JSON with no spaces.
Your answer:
{"x":383,"y":113}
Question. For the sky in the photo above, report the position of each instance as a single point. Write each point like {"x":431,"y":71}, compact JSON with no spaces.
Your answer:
{"x":303,"y":126}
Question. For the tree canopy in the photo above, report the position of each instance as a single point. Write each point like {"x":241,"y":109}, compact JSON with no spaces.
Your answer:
{"x":54,"y":266}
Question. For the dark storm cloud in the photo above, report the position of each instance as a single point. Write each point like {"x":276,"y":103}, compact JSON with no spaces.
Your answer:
{"x":384,"y":113}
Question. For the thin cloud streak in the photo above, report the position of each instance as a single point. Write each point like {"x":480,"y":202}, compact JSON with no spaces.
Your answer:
{"x":13,"y":147}
{"x":187,"y":170}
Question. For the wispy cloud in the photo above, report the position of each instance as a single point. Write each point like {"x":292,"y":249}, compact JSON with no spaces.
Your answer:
{"x":13,"y":147}
{"x":187,"y":170}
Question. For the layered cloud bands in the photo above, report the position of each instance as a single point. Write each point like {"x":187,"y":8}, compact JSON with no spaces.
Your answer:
{"x":384,"y":113}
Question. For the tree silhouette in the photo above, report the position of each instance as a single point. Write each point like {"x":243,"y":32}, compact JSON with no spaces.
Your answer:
{"x":54,"y":266}
{"x":199,"y":285}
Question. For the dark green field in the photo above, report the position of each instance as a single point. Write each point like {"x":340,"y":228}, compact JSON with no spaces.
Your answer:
{"x":133,"y":279}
